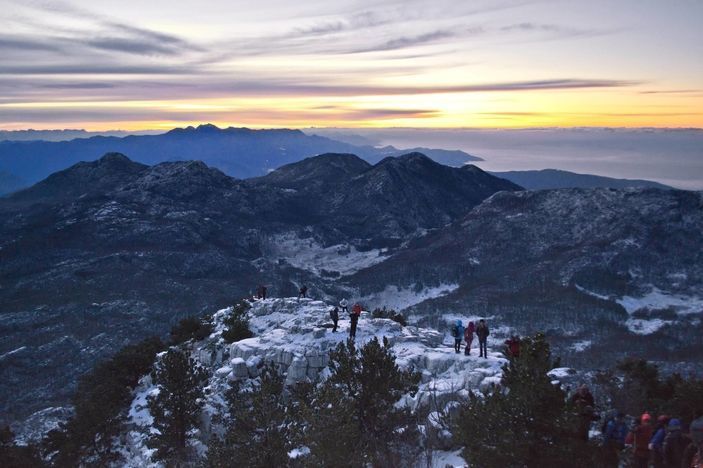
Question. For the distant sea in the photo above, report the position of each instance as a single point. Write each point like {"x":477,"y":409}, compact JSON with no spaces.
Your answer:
{"x":671,"y":156}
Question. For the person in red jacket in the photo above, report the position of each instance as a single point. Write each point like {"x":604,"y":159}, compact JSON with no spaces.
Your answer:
{"x":354,"y":316}
{"x":469,"y":337}
{"x":639,"y":438}
{"x":513,"y":346}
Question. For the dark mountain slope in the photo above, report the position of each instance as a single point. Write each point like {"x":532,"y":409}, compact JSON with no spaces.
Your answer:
{"x":564,"y":261}
{"x":390,"y":200}
{"x":85,"y":178}
{"x":312,"y":174}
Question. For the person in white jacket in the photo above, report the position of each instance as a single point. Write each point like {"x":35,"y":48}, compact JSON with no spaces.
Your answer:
{"x":343,"y":305}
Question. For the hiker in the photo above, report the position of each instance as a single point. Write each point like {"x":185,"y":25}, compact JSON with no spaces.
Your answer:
{"x":458,"y":333}
{"x":263,"y":292}
{"x":513,"y":346}
{"x":482,"y":332}
{"x":303,"y":292}
{"x":639,"y":438}
{"x":614,"y":439}
{"x":334,"y":315}
{"x":583,"y":403}
{"x":674,"y":445}
{"x":469,"y":337}
{"x":656,"y":443}
{"x":693,"y":456}
{"x":354,"y":316}
{"x":343,"y":304}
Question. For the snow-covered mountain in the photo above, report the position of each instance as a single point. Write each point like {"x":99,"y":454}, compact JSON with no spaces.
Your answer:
{"x":110,"y":251}
{"x":295,"y":335}
{"x":618,"y":271}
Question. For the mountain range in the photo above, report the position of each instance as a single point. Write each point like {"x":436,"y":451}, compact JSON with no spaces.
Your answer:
{"x":238,"y":152}
{"x":109,"y":251}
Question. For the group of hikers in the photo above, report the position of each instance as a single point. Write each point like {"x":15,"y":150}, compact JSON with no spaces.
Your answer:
{"x":481,"y":330}
{"x":663,"y":444}
{"x":353,"y":316}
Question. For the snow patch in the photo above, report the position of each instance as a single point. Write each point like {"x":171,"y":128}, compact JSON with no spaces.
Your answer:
{"x":399,"y":299}
{"x":580,"y":346}
{"x":308,"y":254}
{"x":658,"y":299}
{"x":646,"y":326}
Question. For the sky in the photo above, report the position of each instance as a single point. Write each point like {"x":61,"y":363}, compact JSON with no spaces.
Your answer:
{"x":159,"y":64}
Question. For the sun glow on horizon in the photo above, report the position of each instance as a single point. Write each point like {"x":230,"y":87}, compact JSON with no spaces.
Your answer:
{"x":351,"y":64}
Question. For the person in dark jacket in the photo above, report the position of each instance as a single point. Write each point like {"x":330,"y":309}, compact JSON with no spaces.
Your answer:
{"x":584,"y":406}
{"x":469,"y":337}
{"x":482,"y":333}
{"x":639,"y":438}
{"x":303,"y":292}
{"x":334,"y":315}
{"x":263,"y":292}
{"x":354,"y":316}
{"x":614,"y":440}
{"x":674,"y":445}
{"x":458,"y":333}
{"x":693,"y":455}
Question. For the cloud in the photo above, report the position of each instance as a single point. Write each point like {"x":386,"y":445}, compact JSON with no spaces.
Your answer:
{"x":97,"y":69}
{"x":554,"y":31}
{"x":23,"y":44}
{"x":405,"y":42}
{"x":78,"y":86}
{"x":133,"y":46}
{"x":674,"y":91}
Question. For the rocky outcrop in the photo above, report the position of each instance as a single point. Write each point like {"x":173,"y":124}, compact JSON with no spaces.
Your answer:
{"x":295,"y":335}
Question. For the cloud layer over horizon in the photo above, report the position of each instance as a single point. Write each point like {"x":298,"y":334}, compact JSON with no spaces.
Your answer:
{"x":351,"y":63}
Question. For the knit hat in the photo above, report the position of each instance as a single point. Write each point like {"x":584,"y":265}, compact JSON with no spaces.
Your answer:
{"x":674,"y":424}
{"x":645,"y":417}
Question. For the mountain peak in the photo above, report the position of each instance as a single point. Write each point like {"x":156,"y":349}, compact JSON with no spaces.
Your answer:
{"x":320,"y":169}
{"x":114,"y":158}
{"x":409,"y":159}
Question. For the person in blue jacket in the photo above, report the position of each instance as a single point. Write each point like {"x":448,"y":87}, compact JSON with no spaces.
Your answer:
{"x":656,"y":443}
{"x":458,"y":336}
{"x":614,"y":439}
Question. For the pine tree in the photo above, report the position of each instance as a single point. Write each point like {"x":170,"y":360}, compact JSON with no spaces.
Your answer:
{"x":352,"y":418}
{"x":527,"y":423}
{"x":17,"y":456}
{"x":176,"y":407}
{"x":258,"y":434}
{"x":100,"y":403}
{"x":237,"y":324}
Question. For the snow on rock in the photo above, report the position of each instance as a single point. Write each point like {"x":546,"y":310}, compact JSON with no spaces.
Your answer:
{"x":561,"y":372}
{"x":402,"y":298}
{"x":582,"y":345}
{"x":654,"y":300}
{"x":658,"y":299}
{"x":296,"y":336}
{"x":645,"y":326}
{"x":308,"y":254}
